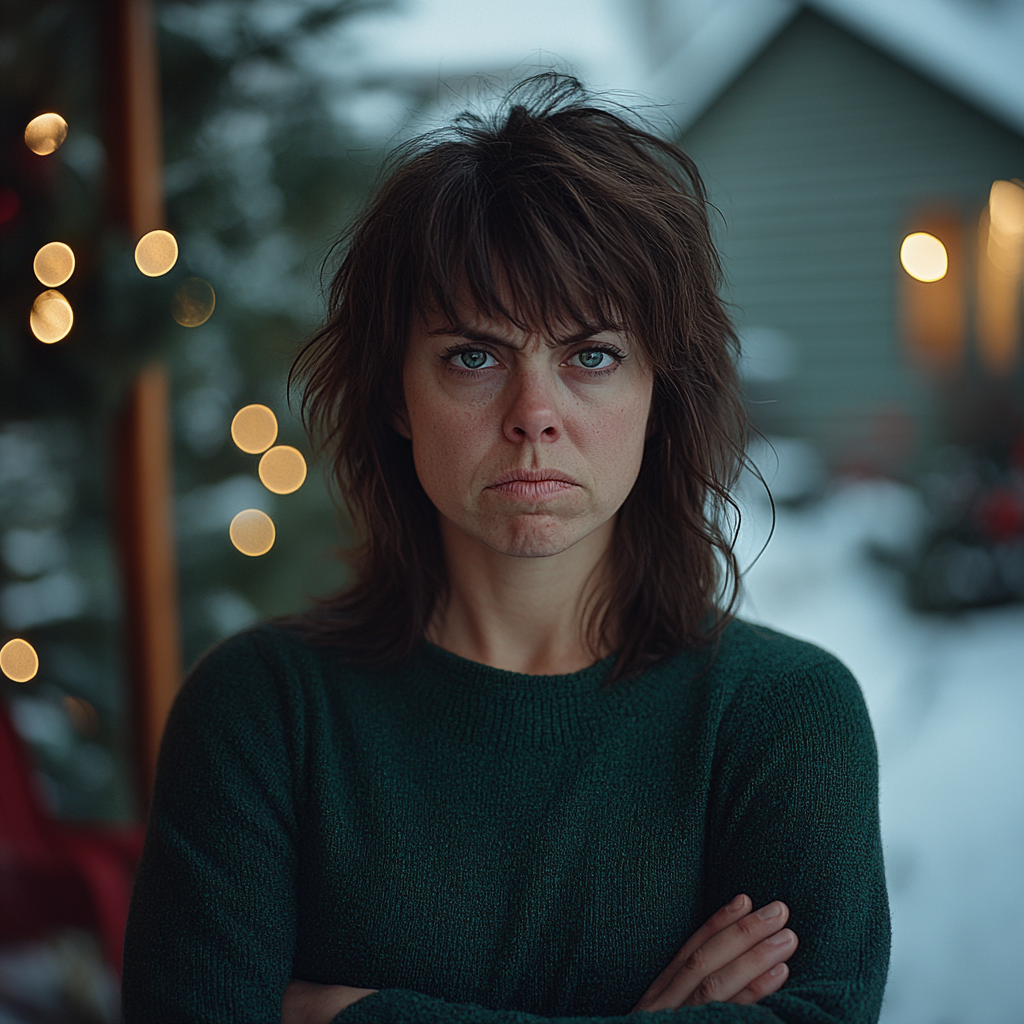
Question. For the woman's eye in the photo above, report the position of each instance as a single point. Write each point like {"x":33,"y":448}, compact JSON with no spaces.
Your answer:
{"x":465,"y":361}
{"x":591,"y":358}
{"x":473,"y":360}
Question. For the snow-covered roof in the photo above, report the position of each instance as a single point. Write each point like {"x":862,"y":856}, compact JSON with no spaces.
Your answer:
{"x":974,"y":48}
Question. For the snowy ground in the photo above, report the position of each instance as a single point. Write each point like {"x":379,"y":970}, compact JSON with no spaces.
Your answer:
{"x":946,"y":696}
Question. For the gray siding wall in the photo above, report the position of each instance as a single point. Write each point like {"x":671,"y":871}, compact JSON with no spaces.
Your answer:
{"x":816,"y":156}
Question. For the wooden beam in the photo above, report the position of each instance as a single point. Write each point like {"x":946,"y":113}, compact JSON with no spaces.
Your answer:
{"x":144,"y":498}
{"x":142,"y":442}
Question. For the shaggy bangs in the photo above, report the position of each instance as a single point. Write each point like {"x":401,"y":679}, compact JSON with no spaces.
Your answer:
{"x":497,"y":256}
{"x":553,"y":212}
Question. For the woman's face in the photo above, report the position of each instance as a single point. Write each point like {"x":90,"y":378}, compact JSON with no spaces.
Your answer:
{"x":491,"y":399}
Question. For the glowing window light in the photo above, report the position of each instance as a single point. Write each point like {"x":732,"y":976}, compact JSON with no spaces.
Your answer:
{"x":254,"y":429}
{"x":83,"y":716}
{"x":252,"y":532}
{"x":1006,"y":226}
{"x":51,"y":317}
{"x":1006,"y":207}
{"x":998,"y":295}
{"x":45,"y":133}
{"x":282,"y":469}
{"x":924,"y":257}
{"x":54,"y":264}
{"x":156,"y":253}
{"x":193,"y":302}
{"x":18,"y":660}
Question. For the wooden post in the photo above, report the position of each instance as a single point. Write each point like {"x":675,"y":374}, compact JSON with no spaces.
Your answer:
{"x":142,"y":442}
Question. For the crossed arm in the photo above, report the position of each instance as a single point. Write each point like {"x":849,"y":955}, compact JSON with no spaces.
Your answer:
{"x":738,"y":956}
{"x":212,"y":933}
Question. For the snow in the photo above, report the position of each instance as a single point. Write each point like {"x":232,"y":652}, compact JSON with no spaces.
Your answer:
{"x":946,"y":698}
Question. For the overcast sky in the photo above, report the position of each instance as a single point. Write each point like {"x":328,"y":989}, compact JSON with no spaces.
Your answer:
{"x":602,"y":41}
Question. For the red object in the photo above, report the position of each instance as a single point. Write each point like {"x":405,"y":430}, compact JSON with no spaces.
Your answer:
{"x":9,"y":205}
{"x":53,"y":874}
{"x":1001,"y":514}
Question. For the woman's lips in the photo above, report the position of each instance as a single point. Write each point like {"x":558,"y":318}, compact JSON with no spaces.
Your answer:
{"x":534,"y":490}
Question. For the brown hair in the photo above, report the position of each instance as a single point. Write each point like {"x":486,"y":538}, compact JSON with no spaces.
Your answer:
{"x":571,"y":212}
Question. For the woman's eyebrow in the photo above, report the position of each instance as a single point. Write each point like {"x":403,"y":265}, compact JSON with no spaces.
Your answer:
{"x":472,"y":334}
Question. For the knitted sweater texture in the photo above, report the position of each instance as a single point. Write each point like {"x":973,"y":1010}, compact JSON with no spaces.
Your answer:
{"x":488,"y":847}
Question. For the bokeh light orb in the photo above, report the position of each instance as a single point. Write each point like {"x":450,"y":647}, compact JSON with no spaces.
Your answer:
{"x":45,"y":133}
{"x":193,"y":302}
{"x":18,"y":660}
{"x":156,"y":253}
{"x":282,"y":469}
{"x":924,"y":257}
{"x":51,"y":317}
{"x":252,"y":532}
{"x":54,"y":264}
{"x":254,"y":429}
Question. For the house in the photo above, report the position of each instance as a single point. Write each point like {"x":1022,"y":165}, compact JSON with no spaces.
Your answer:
{"x":826,"y":133}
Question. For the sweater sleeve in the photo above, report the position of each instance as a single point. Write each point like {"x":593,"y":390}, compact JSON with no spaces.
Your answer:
{"x":211,"y":929}
{"x":793,"y":815}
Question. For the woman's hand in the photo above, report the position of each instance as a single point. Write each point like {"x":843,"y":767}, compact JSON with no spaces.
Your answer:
{"x":730,"y":959}
{"x":306,"y":1002}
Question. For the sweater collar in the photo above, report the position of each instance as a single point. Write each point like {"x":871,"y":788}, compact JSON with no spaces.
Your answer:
{"x":486,"y":680}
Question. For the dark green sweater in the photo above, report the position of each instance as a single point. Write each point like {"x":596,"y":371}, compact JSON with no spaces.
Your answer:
{"x":495,"y":848}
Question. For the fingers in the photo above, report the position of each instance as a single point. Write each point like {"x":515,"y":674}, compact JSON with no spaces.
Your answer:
{"x":717,"y":922}
{"x":763,"y":985}
{"x":751,"y":970}
{"x":730,"y":960}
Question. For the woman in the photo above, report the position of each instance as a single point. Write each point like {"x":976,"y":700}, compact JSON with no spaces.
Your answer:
{"x":505,"y":776}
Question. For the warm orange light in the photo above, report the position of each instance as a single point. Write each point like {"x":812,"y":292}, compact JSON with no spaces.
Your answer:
{"x":1005,"y":247}
{"x":193,"y":302}
{"x":18,"y":660}
{"x":933,"y":314}
{"x":924,"y":257}
{"x":54,"y":264}
{"x":1006,"y":207}
{"x":999,"y":279}
{"x":156,"y":253}
{"x":51,"y":317}
{"x":252,"y":532}
{"x":45,"y":133}
{"x":282,"y":469}
{"x":254,"y":429}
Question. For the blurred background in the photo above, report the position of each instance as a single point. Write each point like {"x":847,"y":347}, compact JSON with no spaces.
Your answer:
{"x":865,"y":160}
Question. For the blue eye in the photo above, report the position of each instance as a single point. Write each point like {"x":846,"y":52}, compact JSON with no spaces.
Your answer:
{"x":473,"y":359}
{"x":591,"y":358}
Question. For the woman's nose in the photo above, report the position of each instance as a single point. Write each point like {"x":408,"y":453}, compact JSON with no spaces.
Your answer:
{"x":533,"y":413}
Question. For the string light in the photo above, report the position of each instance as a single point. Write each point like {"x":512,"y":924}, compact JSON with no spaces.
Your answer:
{"x":254,"y":429}
{"x":51,"y":317}
{"x":252,"y":532}
{"x":54,"y":264}
{"x":45,"y":134}
{"x":156,"y":253}
{"x":18,"y":660}
{"x":193,"y":302}
{"x":282,"y":469}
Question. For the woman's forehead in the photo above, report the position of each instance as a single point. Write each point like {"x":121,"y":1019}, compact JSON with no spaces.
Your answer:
{"x":472,"y":322}
{"x":510,"y":316}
